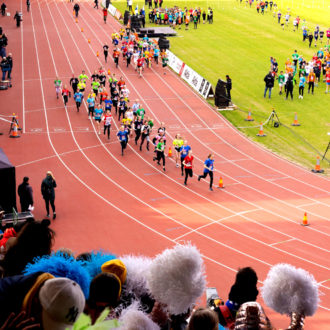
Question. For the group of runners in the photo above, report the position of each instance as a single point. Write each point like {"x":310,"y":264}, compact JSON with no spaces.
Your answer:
{"x":301,"y":72}
{"x":176,"y":16}
{"x":107,"y":96}
{"x":142,"y":51}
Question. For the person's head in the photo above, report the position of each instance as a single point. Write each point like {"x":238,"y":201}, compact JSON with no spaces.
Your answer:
{"x":49,"y":174}
{"x":203,"y":319}
{"x":26,"y":180}
{"x":210,"y":156}
{"x":185,"y":142}
{"x":33,"y":240}
{"x":61,"y":301}
{"x":104,"y":292}
{"x":83,"y":71}
{"x":227,"y":77}
{"x":108,"y":112}
{"x":245,"y":286}
{"x":281,"y":72}
{"x":122,"y":128}
{"x":189,"y":152}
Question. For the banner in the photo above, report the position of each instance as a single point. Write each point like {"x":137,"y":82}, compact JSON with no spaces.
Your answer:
{"x":174,"y":62}
{"x":112,"y":10}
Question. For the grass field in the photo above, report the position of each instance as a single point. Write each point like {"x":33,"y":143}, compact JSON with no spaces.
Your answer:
{"x":239,"y":43}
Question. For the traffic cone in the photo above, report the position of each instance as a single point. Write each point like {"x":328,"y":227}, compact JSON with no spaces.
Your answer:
{"x":220,"y":183}
{"x":169,"y":152}
{"x":249,"y":117}
{"x":82,"y":30}
{"x":305,"y":221}
{"x":14,"y":131}
{"x":295,"y":122}
{"x":76,"y":20}
{"x":317,"y":166}
{"x":109,"y":72}
{"x":97,"y":54}
{"x":89,"y":41}
{"x":261,"y":131}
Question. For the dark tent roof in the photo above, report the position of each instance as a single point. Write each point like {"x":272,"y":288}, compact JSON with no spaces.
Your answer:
{"x":4,"y":161}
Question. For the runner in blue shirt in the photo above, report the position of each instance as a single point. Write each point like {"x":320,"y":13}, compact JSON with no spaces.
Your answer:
{"x":91,"y":104}
{"x":208,"y":169}
{"x":108,"y":103}
{"x":156,"y":54}
{"x":183,"y":154}
{"x":302,"y":81}
{"x":78,"y":98}
{"x":123,"y":138}
{"x":98,"y":111}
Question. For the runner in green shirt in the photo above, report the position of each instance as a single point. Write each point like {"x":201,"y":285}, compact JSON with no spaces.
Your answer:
{"x":160,"y":152}
{"x":295,"y":58}
{"x":58,"y":86}
{"x":83,"y":77}
{"x":95,"y":87}
{"x":281,"y":80}
{"x":140,"y":113}
{"x":164,"y":62}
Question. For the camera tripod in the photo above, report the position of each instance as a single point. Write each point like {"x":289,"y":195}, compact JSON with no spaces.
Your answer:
{"x":273,"y":119}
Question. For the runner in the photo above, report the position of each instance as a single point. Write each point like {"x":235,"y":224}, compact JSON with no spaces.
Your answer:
{"x":66,"y":94}
{"x":123,"y":138}
{"x":327,"y":81}
{"x":95,"y":87}
{"x":81,"y":86}
{"x":103,"y":95}
{"x":91,"y":104}
{"x":302,"y":81}
{"x":140,"y":62}
{"x":106,"y":52}
{"x":127,"y":122}
{"x":188,"y":166}
{"x":107,"y":104}
{"x":184,"y":153}
{"x":74,"y":83}
{"x":107,"y":122}
{"x":122,"y":108}
{"x":311,"y":81}
{"x":78,"y":97}
{"x":145,"y":130}
{"x":177,"y":144}
{"x":164,"y":61}
{"x":83,"y":77}
{"x":116,"y":55}
{"x":208,"y":169}
{"x":160,"y":152}
{"x":137,"y":128}
{"x":98,"y":111}
{"x":281,"y":81}
{"x":58,"y":86}
{"x":105,"y":15}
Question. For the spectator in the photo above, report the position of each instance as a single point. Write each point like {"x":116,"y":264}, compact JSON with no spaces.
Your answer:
{"x":28,"y":5}
{"x":203,"y":319}
{"x":289,"y":86}
{"x":10,"y":63}
{"x":25,"y":194}
{"x":269,"y":81}
{"x":228,"y":87}
{"x":33,"y":240}
{"x":5,"y":67}
{"x":3,"y":44}
{"x":48,"y":192}
{"x":3,"y":9}
{"x":18,"y":18}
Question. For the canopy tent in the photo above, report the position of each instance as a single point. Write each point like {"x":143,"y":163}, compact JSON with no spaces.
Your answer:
{"x":7,"y":183}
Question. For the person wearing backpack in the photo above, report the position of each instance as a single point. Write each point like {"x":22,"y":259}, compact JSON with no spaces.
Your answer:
{"x":48,"y":192}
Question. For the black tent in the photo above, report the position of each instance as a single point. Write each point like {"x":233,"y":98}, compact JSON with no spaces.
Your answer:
{"x":7,"y":183}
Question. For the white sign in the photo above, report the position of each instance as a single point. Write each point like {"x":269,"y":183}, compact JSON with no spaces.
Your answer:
{"x":174,"y":62}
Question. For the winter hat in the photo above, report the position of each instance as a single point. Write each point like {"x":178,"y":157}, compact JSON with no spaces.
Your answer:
{"x":62,"y":302}
{"x":115,"y":266}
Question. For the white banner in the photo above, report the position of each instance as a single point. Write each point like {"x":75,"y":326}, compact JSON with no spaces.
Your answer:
{"x":174,"y":62}
{"x":111,"y":9}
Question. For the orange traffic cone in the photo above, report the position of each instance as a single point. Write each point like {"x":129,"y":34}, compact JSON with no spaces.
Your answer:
{"x":249,"y":117}
{"x":89,"y":41}
{"x":317,"y":166}
{"x":295,"y":122}
{"x":261,"y":131}
{"x":220,"y":183}
{"x":305,"y":221}
{"x":169,"y":152}
{"x":109,"y":72}
{"x":82,"y":30}
{"x":76,"y":20}
{"x":97,"y":54}
{"x":14,"y":131}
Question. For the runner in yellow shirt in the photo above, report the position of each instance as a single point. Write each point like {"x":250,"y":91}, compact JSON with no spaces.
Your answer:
{"x":177,"y":144}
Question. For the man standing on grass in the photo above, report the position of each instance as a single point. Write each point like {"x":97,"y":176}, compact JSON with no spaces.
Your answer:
{"x":269,"y":81}
{"x":228,"y":87}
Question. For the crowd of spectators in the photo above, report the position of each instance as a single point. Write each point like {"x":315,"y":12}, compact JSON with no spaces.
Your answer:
{"x":42,"y":288}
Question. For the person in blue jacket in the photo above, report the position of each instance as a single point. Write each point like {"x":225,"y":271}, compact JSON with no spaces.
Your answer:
{"x":208,"y":169}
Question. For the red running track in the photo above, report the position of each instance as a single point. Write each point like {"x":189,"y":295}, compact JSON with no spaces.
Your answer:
{"x":128,"y":204}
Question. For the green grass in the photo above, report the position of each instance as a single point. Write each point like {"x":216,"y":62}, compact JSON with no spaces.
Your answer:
{"x":239,"y":43}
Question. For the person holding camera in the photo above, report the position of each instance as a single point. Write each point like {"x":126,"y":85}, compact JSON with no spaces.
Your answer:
{"x":48,"y":186}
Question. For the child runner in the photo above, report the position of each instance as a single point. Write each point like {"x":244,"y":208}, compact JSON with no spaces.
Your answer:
{"x":98,"y":111}
{"x":281,"y":81}
{"x":184,"y":153}
{"x":160,"y":152}
{"x":66,"y":94}
{"x":208,"y":169}
{"x":58,"y":86}
{"x":105,"y":52}
{"x":123,"y":138}
{"x":188,"y":166}
{"x":78,"y":98}
{"x":177,"y":144}
{"x":107,"y":122}
{"x":91,"y":104}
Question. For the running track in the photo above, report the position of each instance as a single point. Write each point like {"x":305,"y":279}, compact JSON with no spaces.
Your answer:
{"x":128,"y":204}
